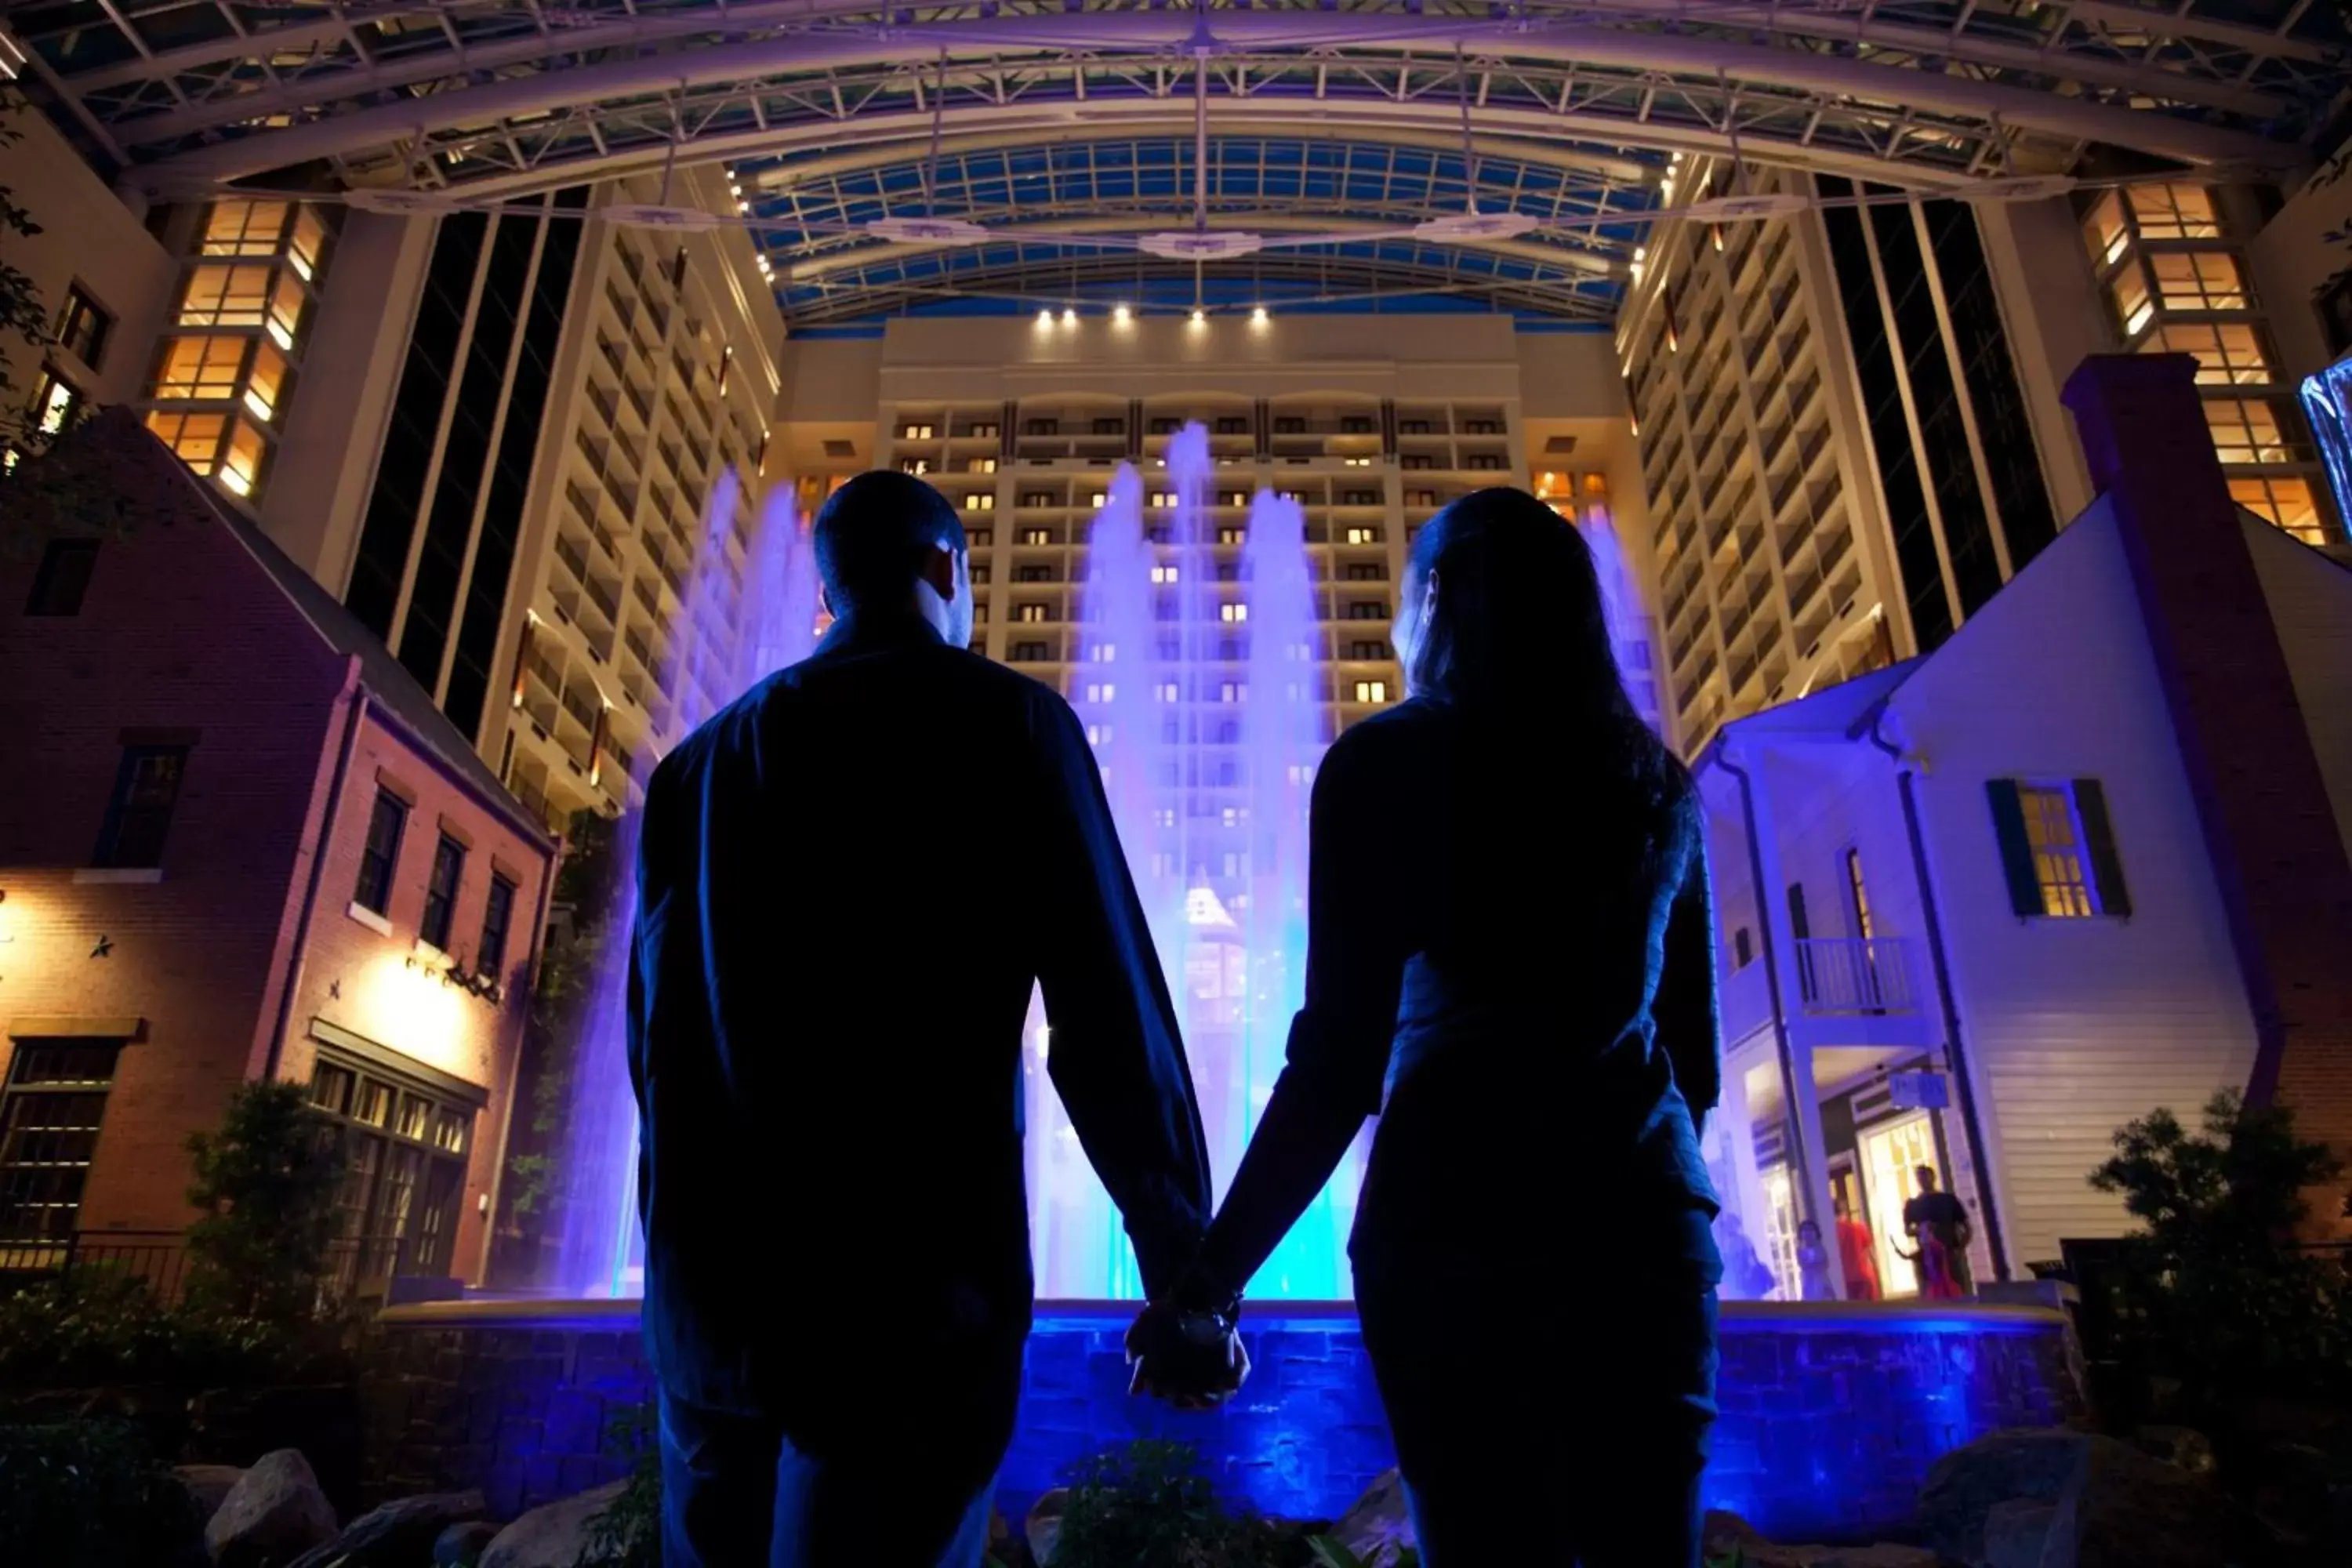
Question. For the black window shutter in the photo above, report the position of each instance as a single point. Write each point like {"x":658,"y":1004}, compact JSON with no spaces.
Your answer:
{"x":2107,"y":870}
{"x":2016,"y":852}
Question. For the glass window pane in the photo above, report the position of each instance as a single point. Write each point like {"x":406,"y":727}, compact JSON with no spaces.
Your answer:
{"x":244,"y":229}
{"x":196,"y":437}
{"x":2104,"y":234}
{"x":2175,"y":212}
{"x":199,"y":368}
{"x":225,"y":296}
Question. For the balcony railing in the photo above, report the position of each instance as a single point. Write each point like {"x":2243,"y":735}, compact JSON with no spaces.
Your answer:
{"x":1847,"y":975}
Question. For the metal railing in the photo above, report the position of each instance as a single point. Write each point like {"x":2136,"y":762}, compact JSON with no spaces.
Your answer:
{"x":1855,"y":975}
{"x":159,"y":1259}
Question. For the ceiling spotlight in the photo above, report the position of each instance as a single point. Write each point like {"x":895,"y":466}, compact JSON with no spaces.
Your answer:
{"x":1045,"y":320}
{"x":1257,"y":315}
{"x":1069,"y":316}
{"x":1122,"y":314}
{"x":1200,"y":317}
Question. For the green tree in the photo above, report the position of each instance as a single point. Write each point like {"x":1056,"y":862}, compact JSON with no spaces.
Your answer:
{"x":24,"y":314}
{"x":267,"y":1181}
{"x":2216,"y":1290}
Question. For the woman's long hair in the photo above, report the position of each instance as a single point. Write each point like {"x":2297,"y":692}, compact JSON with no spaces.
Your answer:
{"x":1518,"y":633}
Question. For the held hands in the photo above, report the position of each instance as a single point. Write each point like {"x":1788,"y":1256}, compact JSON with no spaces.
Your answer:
{"x":1191,"y":1359}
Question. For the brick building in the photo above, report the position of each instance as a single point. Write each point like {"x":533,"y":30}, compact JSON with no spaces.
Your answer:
{"x":238,"y":841}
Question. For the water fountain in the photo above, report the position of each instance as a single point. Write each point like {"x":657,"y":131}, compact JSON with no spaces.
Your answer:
{"x":1201,"y":687}
{"x":717,"y":653}
{"x":1206,"y":704}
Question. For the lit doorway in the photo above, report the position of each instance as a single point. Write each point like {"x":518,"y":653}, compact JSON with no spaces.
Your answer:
{"x":1890,"y":1153}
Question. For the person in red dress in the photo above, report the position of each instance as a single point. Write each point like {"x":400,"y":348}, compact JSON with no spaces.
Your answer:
{"x":1860,"y":1257}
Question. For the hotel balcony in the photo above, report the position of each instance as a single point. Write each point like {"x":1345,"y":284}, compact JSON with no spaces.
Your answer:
{"x":1836,"y":991}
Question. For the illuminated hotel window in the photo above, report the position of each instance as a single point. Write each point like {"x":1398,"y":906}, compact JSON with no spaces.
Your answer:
{"x":2175,"y":212}
{"x":1371,"y":691}
{"x":1233,"y":613}
{"x":308,"y":244}
{"x":196,"y":437}
{"x":2228,"y":353}
{"x":139,"y":816}
{"x":200,"y":369}
{"x":266,"y":389}
{"x":226,"y":296}
{"x":2247,"y":430}
{"x":2289,"y":502}
{"x":983,"y":500}
{"x":2105,"y":233}
{"x":56,"y":402}
{"x":241,"y":466}
{"x":2127,"y":291}
{"x":50,"y":1108}
{"x":2199,"y":280}
{"x":244,"y":229}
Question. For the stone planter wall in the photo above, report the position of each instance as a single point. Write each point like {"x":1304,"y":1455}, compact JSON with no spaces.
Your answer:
{"x":1831,"y":1415}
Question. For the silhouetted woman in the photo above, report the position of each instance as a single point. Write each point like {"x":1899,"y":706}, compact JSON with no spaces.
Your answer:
{"x":1510,"y":961}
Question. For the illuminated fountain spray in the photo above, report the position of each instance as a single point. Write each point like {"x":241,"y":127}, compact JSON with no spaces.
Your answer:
{"x":718,"y":649}
{"x":1205,"y":705}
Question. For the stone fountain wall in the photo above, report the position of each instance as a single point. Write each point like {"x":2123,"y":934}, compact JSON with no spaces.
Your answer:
{"x":1831,"y":1414}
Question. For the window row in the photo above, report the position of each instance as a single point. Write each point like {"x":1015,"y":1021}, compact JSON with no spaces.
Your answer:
{"x":380,"y":859}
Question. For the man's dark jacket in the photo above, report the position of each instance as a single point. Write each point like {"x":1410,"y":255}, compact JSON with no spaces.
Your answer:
{"x":847,"y":881}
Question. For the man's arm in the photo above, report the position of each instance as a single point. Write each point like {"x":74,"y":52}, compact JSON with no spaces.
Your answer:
{"x":1116,"y":1056}
{"x":1685,"y":1006}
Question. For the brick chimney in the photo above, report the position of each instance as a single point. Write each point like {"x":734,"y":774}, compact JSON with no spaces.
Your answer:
{"x":2245,"y":746}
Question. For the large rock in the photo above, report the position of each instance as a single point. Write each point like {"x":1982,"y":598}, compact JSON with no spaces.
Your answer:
{"x":272,"y":1515}
{"x":1379,"y":1528}
{"x":209,"y":1486}
{"x":462,"y":1545}
{"x":553,"y":1536}
{"x":1042,"y":1528}
{"x":398,"y":1534}
{"x":2114,"y":1507}
{"x":2017,"y":1534}
{"x":1727,"y":1538}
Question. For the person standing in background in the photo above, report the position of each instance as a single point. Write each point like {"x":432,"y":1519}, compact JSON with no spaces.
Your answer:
{"x":1861,"y":1258}
{"x":1938,"y":1216}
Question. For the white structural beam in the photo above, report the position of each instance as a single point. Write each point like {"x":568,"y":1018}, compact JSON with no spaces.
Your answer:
{"x":1365,"y":119}
{"x":1243,"y":120}
{"x":649,"y":30}
{"x":1885,"y":89}
{"x":1340,"y":230}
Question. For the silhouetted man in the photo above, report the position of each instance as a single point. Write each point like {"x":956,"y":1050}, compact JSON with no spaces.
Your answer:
{"x":847,"y":881}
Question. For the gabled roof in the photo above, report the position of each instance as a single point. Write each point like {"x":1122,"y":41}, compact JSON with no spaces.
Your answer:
{"x":116,"y":437}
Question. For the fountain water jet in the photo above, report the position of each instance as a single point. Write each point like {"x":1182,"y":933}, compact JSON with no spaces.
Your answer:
{"x":1206,"y":704}
{"x":715,"y":653}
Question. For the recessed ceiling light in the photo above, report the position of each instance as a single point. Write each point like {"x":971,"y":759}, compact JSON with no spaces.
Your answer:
{"x":1199,"y":316}
{"x":1045,"y":320}
{"x":1257,"y":316}
{"x":1069,"y":316}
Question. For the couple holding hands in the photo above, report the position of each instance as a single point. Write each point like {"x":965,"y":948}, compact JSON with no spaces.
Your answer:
{"x":1510,"y":962}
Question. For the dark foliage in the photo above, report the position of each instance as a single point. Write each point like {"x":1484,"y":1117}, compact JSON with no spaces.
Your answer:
{"x":2215,"y":1291}
{"x":265,"y":1183}
{"x":89,"y":1493}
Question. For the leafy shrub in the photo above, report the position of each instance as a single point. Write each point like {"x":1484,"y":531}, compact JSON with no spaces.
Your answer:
{"x":88,"y":1493}
{"x":1148,"y":1505}
{"x":267,"y":1181}
{"x":628,"y":1533}
{"x":2213,"y":1290}
{"x":95,"y":1328}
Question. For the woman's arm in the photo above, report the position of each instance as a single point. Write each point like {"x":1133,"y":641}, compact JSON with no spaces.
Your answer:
{"x":1685,"y":1006}
{"x":1338,"y":1050}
